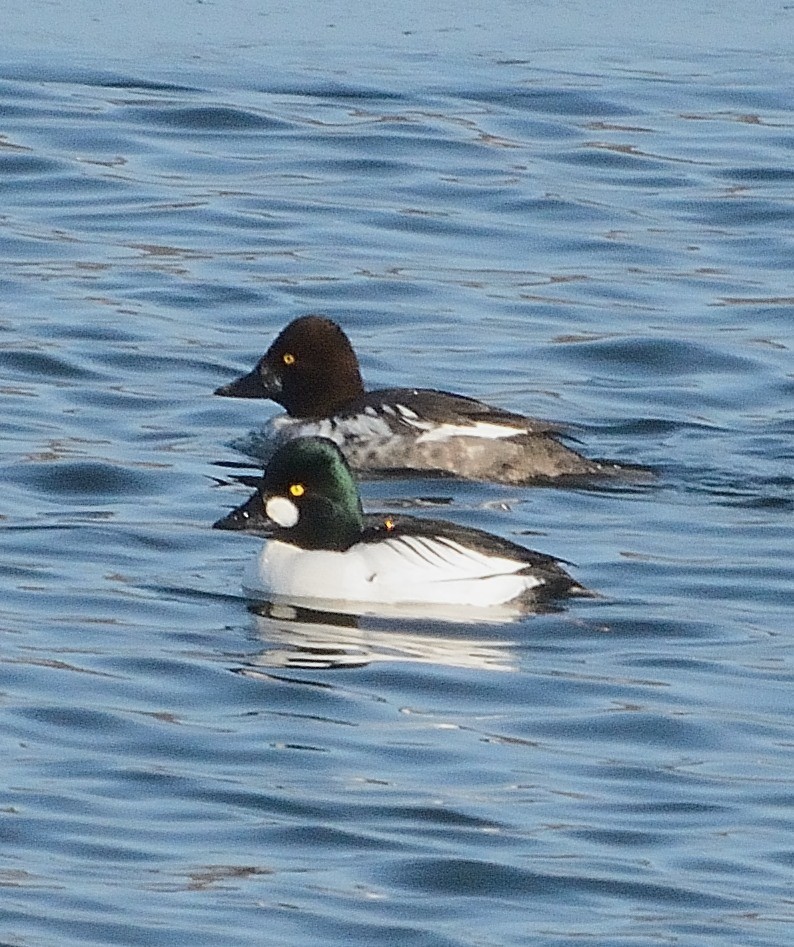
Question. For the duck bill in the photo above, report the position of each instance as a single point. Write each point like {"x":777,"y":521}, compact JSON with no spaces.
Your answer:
{"x":249,"y":517}
{"x":256,"y":384}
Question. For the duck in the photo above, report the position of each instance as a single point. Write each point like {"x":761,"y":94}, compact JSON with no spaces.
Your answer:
{"x":319,"y":545}
{"x":312,"y":371}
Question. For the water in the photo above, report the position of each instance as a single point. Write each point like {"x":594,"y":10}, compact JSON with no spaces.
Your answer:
{"x":595,"y":228}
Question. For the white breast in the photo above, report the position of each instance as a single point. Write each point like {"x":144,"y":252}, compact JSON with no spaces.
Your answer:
{"x":394,"y":571}
{"x":366,"y":426}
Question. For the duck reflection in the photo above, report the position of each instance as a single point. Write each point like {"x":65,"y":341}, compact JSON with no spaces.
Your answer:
{"x":300,"y":637}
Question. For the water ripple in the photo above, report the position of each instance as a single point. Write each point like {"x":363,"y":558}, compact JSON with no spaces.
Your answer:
{"x":585,"y":235}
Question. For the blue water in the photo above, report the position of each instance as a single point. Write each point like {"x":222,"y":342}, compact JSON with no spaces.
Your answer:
{"x":570,"y":217}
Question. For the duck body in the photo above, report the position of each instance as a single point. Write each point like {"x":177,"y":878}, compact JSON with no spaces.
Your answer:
{"x":414,"y":429}
{"x":312,"y":371}
{"x":321,"y":545}
{"x":414,"y":562}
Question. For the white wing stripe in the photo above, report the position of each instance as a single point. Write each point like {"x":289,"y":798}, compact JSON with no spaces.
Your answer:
{"x":450,"y":560}
{"x":482,"y":429}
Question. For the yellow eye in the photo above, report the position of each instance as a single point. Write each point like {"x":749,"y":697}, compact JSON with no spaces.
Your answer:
{"x":288,"y":358}
{"x":297,"y":489}
{"x":388,"y":523}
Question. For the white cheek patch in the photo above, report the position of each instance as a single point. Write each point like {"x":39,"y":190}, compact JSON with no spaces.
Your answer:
{"x":282,"y":511}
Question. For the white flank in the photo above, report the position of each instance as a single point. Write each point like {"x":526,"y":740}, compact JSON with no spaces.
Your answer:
{"x":401,"y":570}
{"x":282,"y":511}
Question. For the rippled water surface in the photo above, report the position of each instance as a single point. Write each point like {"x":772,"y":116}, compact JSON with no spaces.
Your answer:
{"x":602,"y":236}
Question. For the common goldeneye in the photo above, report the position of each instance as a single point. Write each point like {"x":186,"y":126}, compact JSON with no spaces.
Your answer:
{"x":312,"y":371}
{"x":322,"y":546}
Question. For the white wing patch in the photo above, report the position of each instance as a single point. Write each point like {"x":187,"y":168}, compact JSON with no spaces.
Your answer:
{"x":372,"y":425}
{"x":433,"y":431}
{"x":444,"y":432}
{"x":406,"y":413}
{"x":441,"y":559}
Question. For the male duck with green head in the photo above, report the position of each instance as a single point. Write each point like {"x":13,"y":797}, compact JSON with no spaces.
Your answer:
{"x":321,"y":545}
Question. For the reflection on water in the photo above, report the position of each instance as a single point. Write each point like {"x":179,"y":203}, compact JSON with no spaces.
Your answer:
{"x":307,"y":638}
